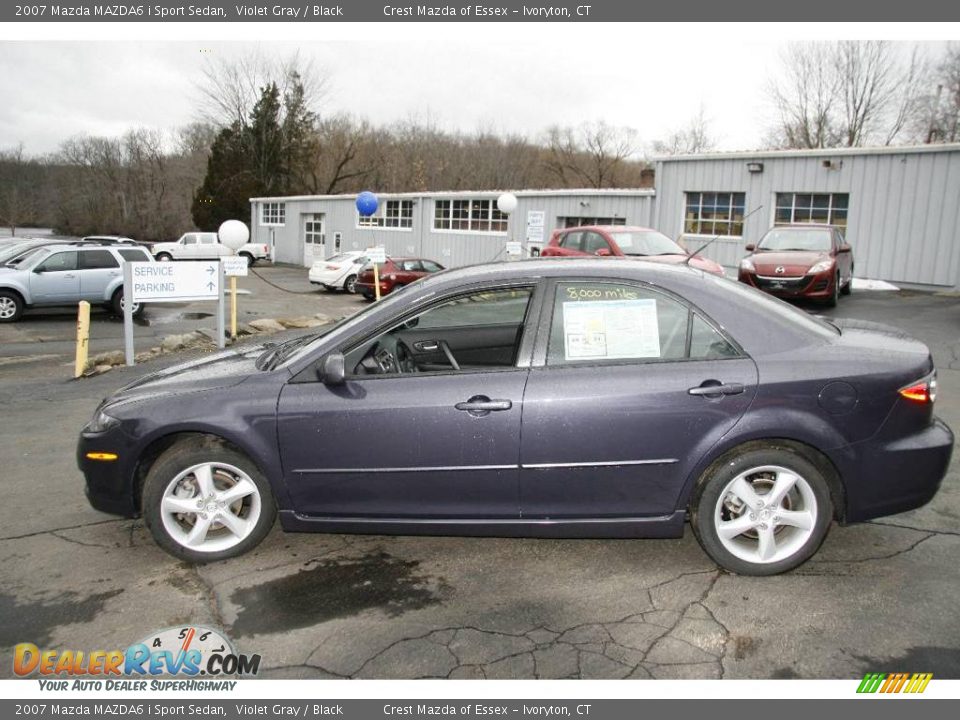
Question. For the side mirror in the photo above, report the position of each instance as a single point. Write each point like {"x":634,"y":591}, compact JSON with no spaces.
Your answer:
{"x":603,"y":252}
{"x":750,"y":247}
{"x":38,"y":270}
{"x":844,"y":248}
{"x":333,"y":372}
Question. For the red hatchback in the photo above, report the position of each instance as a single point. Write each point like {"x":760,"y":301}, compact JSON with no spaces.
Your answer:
{"x":623,"y":241}
{"x":800,"y":261}
{"x":394,"y":273}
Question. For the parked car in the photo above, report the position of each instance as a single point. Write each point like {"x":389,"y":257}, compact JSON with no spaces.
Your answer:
{"x":800,"y":261}
{"x":206,"y":246}
{"x":64,"y":274}
{"x":535,"y":398}
{"x":338,"y":272}
{"x":623,"y":241}
{"x":394,"y":273}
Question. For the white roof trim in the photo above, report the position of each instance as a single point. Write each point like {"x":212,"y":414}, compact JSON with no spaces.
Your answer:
{"x":818,"y":152}
{"x":593,"y":192}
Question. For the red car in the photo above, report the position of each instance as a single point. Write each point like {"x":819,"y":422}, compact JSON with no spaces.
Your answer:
{"x":623,"y":241}
{"x":394,"y":273}
{"x":800,"y":261}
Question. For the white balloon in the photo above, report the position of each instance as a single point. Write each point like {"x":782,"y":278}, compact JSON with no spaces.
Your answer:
{"x":234,"y":234}
{"x":507,"y":203}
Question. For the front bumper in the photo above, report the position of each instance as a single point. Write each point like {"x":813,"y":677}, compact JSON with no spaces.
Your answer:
{"x":109,"y":486}
{"x":818,"y":286}
{"x":894,"y":476}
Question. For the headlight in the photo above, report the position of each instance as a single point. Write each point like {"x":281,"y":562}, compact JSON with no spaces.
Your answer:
{"x":747,"y":264}
{"x":390,"y":277}
{"x":101,"y":422}
{"x":821,"y":266}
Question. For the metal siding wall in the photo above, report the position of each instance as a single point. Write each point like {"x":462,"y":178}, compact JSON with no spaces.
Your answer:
{"x":451,"y":249}
{"x":903,"y":219}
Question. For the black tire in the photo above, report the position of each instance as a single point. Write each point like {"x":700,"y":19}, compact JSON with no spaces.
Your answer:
{"x":164,"y":257}
{"x":251,"y":260}
{"x":350,"y":284}
{"x":116,"y":304}
{"x":11,"y":306}
{"x":182,"y":456}
{"x":848,"y":288}
{"x":707,"y":496}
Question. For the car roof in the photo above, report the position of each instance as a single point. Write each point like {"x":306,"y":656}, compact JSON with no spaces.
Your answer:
{"x":610,"y":228}
{"x":804,"y":226}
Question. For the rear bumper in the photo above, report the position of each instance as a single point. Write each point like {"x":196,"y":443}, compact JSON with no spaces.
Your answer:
{"x":369,"y":288}
{"x":899,"y":475}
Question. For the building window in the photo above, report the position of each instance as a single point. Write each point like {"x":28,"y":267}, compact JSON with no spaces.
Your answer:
{"x":714,"y":213}
{"x":394,"y":214}
{"x":273,"y":213}
{"x":814,"y":208}
{"x":569,"y":222}
{"x":313,"y":229}
{"x":468,"y":216}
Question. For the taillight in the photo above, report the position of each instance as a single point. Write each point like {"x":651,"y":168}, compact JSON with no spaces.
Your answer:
{"x":333,"y":267}
{"x":923,"y":391}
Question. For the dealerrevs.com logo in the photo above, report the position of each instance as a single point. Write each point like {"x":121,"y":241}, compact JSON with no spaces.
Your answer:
{"x":894,"y":683}
{"x":178,"y":652}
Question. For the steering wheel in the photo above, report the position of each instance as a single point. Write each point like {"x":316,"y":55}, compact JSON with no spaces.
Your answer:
{"x":404,"y":359}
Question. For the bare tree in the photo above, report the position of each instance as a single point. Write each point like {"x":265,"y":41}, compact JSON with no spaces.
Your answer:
{"x":940,"y":120}
{"x":848,"y":93}
{"x":592,"y":155}
{"x":17,"y":203}
{"x":694,"y":138}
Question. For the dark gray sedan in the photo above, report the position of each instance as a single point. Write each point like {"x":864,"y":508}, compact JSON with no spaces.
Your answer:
{"x":552,"y":398}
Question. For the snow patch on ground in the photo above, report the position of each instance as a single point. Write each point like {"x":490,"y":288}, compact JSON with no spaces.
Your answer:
{"x":865,"y":284}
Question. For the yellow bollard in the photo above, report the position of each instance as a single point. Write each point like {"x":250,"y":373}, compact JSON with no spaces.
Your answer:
{"x":376,"y":280}
{"x":233,"y":307}
{"x":83,"y":338}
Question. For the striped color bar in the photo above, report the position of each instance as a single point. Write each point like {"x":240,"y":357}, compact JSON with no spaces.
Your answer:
{"x":894,"y":682}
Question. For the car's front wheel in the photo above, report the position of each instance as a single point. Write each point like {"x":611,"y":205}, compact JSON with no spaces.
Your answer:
{"x":762,"y":511}
{"x":11,"y":306}
{"x":164,"y":257}
{"x":204,"y":501}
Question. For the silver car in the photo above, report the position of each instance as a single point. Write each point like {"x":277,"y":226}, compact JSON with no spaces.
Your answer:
{"x":62,"y":275}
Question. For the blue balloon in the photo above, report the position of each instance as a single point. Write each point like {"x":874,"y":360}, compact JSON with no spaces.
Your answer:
{"x":367,"y":203}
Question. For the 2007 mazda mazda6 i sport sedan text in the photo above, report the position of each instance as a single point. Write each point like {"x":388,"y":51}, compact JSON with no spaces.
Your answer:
{"x":554,"y":398}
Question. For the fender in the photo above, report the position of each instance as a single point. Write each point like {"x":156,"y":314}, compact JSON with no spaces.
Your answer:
{"x":767,"y":423}
{"x":111,"y":288}
{"x":23,"y":290}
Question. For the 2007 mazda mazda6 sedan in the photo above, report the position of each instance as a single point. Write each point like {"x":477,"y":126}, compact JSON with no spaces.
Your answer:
{"x":553,"y":398}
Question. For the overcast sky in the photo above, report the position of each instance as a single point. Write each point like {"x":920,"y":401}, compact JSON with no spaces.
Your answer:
{"x":53,"y":90}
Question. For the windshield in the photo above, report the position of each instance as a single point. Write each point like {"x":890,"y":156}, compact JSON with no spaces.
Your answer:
{"x":813,"y":240}
{"x":646,"y":242}
{"x":342,"y":257}
{"x":17,"y":254}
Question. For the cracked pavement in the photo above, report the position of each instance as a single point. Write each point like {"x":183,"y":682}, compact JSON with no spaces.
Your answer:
{"x":879,"y":596}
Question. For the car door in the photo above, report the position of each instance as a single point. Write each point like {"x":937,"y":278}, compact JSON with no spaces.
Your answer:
{"x":55,"y":280}
{"x":844,"y":255}
{"x":190,"y":249}
{"x":629,"y":388}
{"x":443,"y":443}
{"x":97,"y":269}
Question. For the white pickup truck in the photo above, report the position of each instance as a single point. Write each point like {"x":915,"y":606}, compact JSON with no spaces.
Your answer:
{"x":206,"y":246}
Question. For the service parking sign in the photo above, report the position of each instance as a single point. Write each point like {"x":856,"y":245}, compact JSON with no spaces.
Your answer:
{"x":174,"y":281}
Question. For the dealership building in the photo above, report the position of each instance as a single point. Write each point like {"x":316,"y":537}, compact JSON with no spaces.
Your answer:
{"x":899,"y":208}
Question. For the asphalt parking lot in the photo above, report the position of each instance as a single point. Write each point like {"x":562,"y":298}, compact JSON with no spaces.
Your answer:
{"x":881,"y":596}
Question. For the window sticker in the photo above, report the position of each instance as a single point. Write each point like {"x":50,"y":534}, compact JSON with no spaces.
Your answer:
{"x":611,"y":329}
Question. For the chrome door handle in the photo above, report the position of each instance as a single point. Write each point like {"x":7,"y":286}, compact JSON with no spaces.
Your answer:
{"x":716,"y":389}
{"x":426,"y":345}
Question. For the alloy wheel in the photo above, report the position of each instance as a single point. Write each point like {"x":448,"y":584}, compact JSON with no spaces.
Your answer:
{"x":8,"y":308}
{"x":766,"y":514}
{"x":210,"y":507}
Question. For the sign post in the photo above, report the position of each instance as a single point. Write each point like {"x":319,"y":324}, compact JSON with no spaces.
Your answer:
{"x":376,"y":255}
{"x":234,"y":235}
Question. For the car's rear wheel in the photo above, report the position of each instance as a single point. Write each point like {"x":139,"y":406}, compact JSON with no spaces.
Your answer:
{"x":249,"y":258}
{"x":350,"y":284}
{"x":204,"y":501}
{"x":763,"y":511}
{"x":118,"y":304}
{"x":164,"y":257}
{"x":11,"y":306}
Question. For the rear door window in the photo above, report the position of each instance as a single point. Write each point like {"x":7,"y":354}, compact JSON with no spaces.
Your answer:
{"x":97,"y":260}
{"x":133,"y":255}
